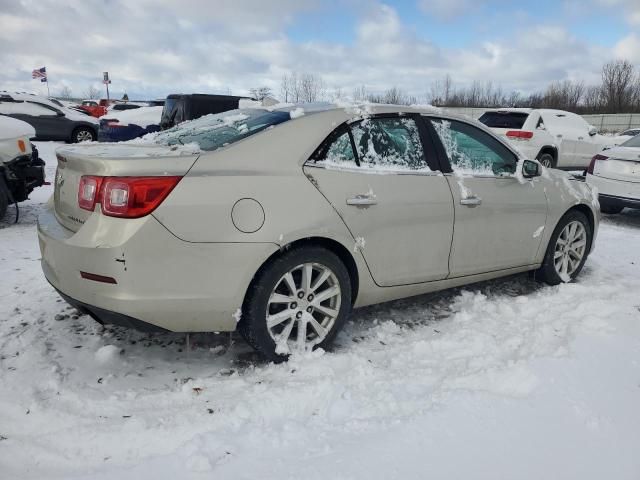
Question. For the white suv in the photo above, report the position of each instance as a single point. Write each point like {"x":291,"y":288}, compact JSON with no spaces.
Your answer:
{"x":556,"y":138}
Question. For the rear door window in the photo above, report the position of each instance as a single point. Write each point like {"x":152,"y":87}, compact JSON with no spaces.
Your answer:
{"x":389,"y":143}
{"x":472,"y":151}
{"x":512,"y":120}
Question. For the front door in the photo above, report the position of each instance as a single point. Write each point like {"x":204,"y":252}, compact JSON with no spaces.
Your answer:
{"x":499,"y":219}
{"x":399,"y":210}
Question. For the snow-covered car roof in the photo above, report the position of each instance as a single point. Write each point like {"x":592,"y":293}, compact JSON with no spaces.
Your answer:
{"x":14,"y":128}
{"x":143,"y":116}
{"x":30,"y":97}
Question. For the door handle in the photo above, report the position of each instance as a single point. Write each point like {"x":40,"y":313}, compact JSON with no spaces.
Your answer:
{"x":580,"y":138}
{"x":471,"y":201}
{"x":362,"y":200}
{"x":559,"y":135}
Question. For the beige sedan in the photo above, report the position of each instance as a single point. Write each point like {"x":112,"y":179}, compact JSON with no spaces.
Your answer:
{"x":279,"y":222}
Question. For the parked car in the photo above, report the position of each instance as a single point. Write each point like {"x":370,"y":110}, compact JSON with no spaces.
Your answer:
{"x":50,"y":121}
{"x":556,"y":138}
{"x":129,"y":124}
{"x":21,"y":169}
{"x":93,"y":108}
{"x":278,"y":226}
{"x":626,"y":135}
{"x":179,"y":108}
{"x":616,"y":175}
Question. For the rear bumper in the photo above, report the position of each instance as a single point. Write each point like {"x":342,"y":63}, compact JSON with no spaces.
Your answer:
{"x":614,"y":201}
{"x":160,"y":280}
{"x":108,"y":317}
{"x":616,"y":192}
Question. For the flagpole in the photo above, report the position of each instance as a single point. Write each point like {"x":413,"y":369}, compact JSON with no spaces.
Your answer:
{"x":47,"y":80}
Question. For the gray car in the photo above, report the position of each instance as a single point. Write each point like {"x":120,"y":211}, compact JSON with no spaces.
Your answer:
{"x":50,"y":120}
{"x":279,"y":222}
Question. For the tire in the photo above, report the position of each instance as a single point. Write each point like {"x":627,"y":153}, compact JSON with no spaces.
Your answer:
{"x":270,"y":295}
{"x":4,"y":199}
{"x":83,"y":134}
{"x":549,"y":272}
{"x":610,"y":209}
{"x":547,"y":160}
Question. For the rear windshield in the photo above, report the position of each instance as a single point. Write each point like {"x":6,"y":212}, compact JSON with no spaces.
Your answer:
{"x":632,"y":142}
{"x":214,"y":131}
{"x":504,"y":119}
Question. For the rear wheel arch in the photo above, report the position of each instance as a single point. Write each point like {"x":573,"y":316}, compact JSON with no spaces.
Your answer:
{"x":550,"y":150}
{"x":332,"y":245}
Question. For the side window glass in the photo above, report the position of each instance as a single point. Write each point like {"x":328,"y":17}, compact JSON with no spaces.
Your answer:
{"x":340,"y":152}
{"x":389,"y":144}
{"x":472,"y":151}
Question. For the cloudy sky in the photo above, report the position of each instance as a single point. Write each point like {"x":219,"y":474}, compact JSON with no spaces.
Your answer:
{"x":155,"y":47}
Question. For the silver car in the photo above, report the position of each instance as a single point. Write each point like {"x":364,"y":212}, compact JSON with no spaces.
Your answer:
{"x":279,"y":222}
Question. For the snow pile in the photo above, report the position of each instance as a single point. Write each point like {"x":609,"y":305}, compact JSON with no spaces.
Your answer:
{"x":143,"y":116}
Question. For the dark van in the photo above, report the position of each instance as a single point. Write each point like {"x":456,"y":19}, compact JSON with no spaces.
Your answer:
{"x":181,"y":107}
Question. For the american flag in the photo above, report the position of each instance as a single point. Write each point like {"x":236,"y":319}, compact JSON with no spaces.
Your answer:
{"x":40,"y":73}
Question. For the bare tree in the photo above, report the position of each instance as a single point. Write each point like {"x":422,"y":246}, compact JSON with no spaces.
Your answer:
{"x":618,"y":78}
{"x":65,"y":93}
{"x":92,"y":92}
{"x":260,"y":93}
{"x":360,"y":93}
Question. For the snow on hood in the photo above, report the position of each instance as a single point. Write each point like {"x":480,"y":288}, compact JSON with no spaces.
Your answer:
{"x":14,"y":128}
{"x":77,"y":116}
{"x":129,"y":150}
{"x":143,"y":116}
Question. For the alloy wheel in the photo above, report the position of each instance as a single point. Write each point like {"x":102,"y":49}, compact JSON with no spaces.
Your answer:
{"x":84,"y":136}
{"x":570,"y":249}
{"x":303,"y":307}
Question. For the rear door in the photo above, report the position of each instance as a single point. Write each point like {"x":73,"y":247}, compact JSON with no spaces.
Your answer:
{"x":388,"y":192}
{"x":498,"y":218}
{"x":566,"y":135}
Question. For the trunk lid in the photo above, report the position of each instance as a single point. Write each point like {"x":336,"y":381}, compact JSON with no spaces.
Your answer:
{"x":112,"y":160}
{"x":623,"y":164}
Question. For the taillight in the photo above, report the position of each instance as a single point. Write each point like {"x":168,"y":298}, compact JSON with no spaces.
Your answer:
{"x":88,"y":192}
{"x":126,"y":197}
{"x":519,"y":134}
{"x":592,"y":164}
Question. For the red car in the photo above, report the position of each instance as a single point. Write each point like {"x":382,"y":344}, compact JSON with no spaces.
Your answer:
{"x":93,"y":108}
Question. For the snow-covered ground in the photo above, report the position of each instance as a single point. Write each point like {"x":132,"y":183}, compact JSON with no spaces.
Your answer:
{"x":507,"y":379}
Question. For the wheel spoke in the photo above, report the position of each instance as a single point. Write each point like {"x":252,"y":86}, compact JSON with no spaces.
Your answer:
{"x":278,"y":318}
{"x":326,"y":294}
{"x":302,"y":332}
{"x":321,"y":279}
{"x":279,"y":298}
{"x":307,"y":272}
{"x":330,"y":312}
{"x":320,"y":330}
{"x":291,"y":284}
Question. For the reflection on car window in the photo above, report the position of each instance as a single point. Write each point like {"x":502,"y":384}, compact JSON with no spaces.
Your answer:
{"x":340,"y":152}
{"x":472,"y":151}
{"x":214,"y":131}
{"x":392,"y":143}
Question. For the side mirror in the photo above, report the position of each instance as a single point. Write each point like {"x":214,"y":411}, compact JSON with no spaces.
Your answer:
{"x":531,"y":169}
{"x":592,"y":131}
{"x":59,"y":114}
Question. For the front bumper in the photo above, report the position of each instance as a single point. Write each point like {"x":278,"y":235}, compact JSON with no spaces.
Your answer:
{"x":160,"y":280}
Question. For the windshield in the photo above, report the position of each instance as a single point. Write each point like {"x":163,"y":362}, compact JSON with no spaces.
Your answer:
{"x":214,"y":131}
{"x":632,"y":142}
{"x":504,"y":119}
